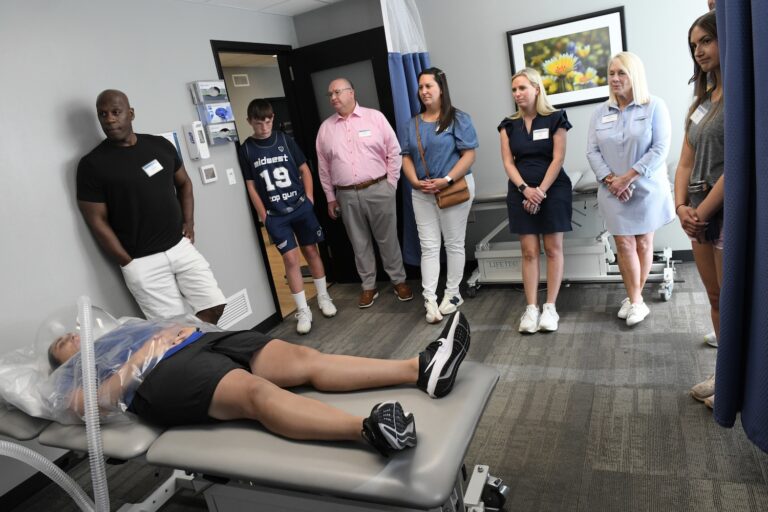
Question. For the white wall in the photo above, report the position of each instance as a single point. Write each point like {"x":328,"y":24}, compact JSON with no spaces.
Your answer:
{"x":56,"y":56}
{"x":468,"y":41}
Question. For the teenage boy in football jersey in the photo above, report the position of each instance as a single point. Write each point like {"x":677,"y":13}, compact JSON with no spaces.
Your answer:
{"x":279,"y":184}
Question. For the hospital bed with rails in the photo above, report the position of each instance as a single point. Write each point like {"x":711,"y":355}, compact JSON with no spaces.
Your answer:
{"x":240,"y":466}
{"x":587,"y":260}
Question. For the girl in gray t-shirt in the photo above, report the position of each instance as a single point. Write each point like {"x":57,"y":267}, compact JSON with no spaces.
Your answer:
{"x":699,"y":177}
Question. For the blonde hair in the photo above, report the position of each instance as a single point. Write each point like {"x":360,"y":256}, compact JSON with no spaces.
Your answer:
{"x":636,"y":71}
{"x":543,"y":106}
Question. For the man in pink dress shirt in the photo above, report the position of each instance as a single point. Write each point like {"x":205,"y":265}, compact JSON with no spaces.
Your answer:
{"x":359,"y":165}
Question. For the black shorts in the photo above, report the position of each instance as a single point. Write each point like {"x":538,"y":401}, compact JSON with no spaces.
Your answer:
{"x":179,"y":390}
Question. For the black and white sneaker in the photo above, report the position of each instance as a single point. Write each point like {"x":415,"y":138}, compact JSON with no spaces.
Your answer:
{"x":439,"y":363}
{"x":389,"y":428}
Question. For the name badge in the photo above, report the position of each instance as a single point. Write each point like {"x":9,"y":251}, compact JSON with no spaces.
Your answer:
{"x":152,"y":168}
{"x":541,"y":134}
{"x":610,"y":118}
{"x":364,"y":133}
{"x":698,"y":114}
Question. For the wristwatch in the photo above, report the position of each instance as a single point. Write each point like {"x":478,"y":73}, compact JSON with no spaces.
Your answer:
{"x":448,"y":179}
{"x":522,"y":187}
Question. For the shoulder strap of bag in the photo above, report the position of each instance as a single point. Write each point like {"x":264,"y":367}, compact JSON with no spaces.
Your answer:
{"x":421,"y":149}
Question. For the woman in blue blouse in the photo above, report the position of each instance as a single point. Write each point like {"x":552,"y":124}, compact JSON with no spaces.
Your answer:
{"x":539,"y":192}
{"x":627,"y":149}
{"x":448,"y":140}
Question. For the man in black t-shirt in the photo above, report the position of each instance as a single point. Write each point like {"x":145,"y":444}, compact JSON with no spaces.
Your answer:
{"x":136,"y":198}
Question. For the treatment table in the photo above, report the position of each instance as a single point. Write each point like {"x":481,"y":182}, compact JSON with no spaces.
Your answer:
{"x":253,"y":469}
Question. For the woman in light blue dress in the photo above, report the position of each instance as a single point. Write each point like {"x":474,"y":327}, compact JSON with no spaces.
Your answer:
{"x":629,"y":138}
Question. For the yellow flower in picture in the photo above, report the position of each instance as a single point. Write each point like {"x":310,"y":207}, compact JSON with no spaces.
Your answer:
{"x":582,"y":51}
{"x":560,"y":65}
{"x":586,"y":79}
{"x":549,"y":83}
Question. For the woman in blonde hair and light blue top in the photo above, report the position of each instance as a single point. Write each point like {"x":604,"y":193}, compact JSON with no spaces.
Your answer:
{"x":629,"y":138}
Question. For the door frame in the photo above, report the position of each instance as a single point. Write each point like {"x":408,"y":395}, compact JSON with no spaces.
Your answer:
{"x":282,"y":51}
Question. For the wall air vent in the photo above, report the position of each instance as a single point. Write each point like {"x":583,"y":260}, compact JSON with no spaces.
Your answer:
{"x":238,"y":308}
{"x":240,"y":80}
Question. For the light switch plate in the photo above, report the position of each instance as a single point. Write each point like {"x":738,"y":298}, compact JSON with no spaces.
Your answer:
{"x":231,"y":176}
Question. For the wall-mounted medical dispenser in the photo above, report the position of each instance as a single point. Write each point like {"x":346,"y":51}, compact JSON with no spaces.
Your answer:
{"x":196,"y":140}
{"x":214,"y":110}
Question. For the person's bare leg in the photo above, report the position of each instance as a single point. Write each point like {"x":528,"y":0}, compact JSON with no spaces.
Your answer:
{"x":704,"y":255}
{"x":242,"y":395}
{"x":553,"y":248}
{"x":718,"y":255}
{"x":315,"y":262}
{"x":288,"y":365}
{"x":645,"y":256}
{"x":530,"y":248}
{"x":629,"y":266}
{"x":293,"y":270}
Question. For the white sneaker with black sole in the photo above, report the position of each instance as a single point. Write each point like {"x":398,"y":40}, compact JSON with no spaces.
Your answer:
{"x":440,"y":361}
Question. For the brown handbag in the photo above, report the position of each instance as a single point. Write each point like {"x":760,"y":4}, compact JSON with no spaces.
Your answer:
{"x":455,"y":193}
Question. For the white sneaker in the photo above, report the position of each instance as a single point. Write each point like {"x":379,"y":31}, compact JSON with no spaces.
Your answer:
{"x":637,"y":313}
{"x":433,"y":312}
{"x":450,"y":304}
{"x":304,"y":317}
{"x":711,"y":339}
{"x":704,"y":389}
{"x":529,"y":322}
{"x":549,"y":318}
{"x":325,"y":303}
{"x":710,"y":402}
{"x":624,"y":309}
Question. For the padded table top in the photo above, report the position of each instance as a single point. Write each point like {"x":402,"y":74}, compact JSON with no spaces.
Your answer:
{"x":422,"y":477}
{"x":122,"y":440}
{"x":19,"y":425}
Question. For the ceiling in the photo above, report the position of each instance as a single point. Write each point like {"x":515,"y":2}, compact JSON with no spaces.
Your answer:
{"x":280,"y":7}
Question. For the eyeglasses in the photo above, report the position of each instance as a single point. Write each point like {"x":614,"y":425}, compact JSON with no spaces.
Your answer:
{"x":337,"y":92}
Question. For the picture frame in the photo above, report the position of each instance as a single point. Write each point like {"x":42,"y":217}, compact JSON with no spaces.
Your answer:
{"x":571,"y":54}
{"x":208,"y":173}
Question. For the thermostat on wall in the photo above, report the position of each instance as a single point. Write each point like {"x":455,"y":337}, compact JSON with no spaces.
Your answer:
{"x":208,"y":173}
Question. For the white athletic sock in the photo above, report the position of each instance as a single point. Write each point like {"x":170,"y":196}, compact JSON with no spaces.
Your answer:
{"x":300,"y":299}
{"x":321,"y":287}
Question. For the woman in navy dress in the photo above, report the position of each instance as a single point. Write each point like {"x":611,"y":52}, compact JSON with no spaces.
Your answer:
{"x":539,"y":192}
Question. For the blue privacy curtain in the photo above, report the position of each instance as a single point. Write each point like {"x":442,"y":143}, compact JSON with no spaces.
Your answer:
{"x":742,"y":357}
{"x":407,"y":57}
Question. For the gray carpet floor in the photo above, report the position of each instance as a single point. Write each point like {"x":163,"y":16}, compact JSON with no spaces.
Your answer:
{"x":595,"y":416}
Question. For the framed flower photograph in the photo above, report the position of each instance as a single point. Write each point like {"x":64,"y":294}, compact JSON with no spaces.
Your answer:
{"x":571,"y":55}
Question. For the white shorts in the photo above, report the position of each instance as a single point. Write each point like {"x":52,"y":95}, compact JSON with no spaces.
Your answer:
{"x":164,"y":283}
